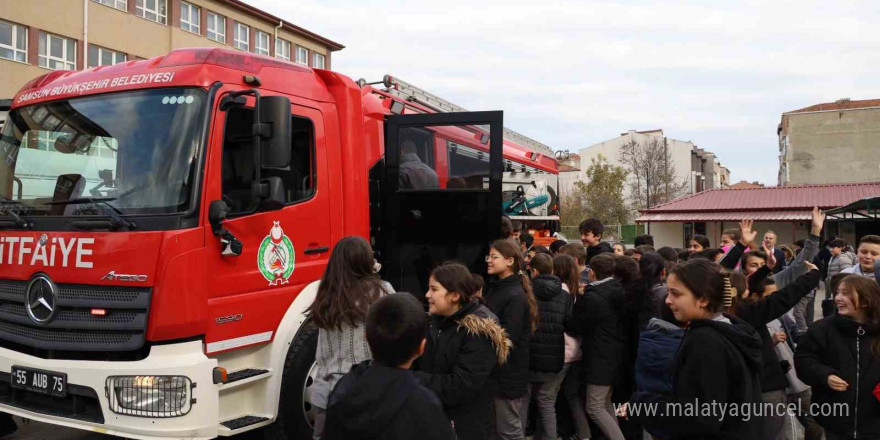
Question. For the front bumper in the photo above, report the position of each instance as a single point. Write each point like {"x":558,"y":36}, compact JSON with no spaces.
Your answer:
{"x":86,"y":406}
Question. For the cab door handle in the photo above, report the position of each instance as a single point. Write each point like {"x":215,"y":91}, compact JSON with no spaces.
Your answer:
{"x":316,"y":250}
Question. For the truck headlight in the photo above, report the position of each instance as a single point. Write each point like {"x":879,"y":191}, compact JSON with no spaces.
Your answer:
{"x":150,"y":396}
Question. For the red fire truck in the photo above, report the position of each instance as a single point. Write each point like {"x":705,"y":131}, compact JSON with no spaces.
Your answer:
{"x":163,"y":223}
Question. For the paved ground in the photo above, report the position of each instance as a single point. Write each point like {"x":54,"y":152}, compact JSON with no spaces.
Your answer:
{"x":42,"y":431}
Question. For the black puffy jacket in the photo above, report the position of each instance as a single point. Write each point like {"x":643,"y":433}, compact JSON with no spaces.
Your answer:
{"x":765,"y":310}
{"x":718,"y":363}
{"x":600,"y":248}
{"x":377,"y":402}
{"x":598,"y":319}
{"x":460,"y":355}
{"x":507,"y":300}
{"x":835,"y":346}
{"x":547,"y":351}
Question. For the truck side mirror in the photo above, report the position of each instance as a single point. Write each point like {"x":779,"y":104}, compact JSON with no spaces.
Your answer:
{"x":275,"y":150}
{"x":217,"y":211}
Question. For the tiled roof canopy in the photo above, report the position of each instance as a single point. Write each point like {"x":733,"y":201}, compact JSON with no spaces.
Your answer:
{"x":789,"y":203}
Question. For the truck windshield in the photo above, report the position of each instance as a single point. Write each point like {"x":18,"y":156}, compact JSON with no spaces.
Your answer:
{"x":135,"y":151}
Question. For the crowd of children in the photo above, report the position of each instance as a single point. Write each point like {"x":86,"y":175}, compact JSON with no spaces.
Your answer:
{"x":579,"y":337}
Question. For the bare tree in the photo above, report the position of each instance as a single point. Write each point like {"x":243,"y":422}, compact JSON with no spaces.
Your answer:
{"x":653,"y":178}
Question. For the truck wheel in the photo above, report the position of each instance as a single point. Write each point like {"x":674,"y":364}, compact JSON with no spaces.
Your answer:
{"x":295,"y":413}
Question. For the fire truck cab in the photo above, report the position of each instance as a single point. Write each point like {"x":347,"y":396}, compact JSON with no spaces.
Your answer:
{"x":165,"y":222}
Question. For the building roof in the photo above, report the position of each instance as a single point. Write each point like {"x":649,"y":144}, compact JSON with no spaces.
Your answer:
{"x":839,"y":105}
{"x":743,"y":184}
{"x":654,"y":132}
{"x":565,"y":167}
{"x":787,"y":203}
{"x":242,"y":6}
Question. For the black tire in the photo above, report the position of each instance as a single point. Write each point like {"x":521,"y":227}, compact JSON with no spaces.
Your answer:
{"x":292,"y":423}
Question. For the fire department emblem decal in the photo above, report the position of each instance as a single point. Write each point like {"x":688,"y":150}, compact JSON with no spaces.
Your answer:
{"x":276,"y":256}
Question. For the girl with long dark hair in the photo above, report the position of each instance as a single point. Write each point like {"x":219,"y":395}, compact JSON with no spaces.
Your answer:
{"x":464,"y":346}
{"x":839,"y":358}
{"x":719,"y":361}
{"x":698,"y":243}
{"x":510,"y":297}
{"x":347,"y":289}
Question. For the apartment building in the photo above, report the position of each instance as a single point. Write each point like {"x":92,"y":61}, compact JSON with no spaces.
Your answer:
{"x":829,"y":143}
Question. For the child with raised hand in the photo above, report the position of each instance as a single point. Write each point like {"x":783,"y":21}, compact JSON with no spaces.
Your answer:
{"x":719,"y":361}
{"x":464,"y":346}
{"x":510,"y":298}
{"x":347,"y":289}
{"x":383,"y":399}
{"x":839,"y":358}
{"x":547,"y":349}
{"x":759,"y":312}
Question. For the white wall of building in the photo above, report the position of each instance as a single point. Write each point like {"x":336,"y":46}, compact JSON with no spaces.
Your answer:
{"x":672,"y":233}
{"x":667,"y":234}
{"x":680,"y":152}
{"x":566,"y":182}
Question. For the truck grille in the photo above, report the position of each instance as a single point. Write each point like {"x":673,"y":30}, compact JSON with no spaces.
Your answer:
{"x":74,"y":327}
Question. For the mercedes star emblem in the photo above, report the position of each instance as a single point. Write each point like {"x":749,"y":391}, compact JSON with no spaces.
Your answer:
{"x":42,"y":296}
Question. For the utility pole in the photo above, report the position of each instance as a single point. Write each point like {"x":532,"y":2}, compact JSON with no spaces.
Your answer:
{"x":647,"y":196}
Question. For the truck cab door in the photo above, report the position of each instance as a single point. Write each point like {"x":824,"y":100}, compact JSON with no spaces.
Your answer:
{"x":283,"y":250}
{"x":440,"y":194}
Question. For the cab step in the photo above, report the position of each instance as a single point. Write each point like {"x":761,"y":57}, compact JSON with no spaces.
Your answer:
{"x":243,"y":377}
{"x":236,"y":376}
{"x":243,"y":421}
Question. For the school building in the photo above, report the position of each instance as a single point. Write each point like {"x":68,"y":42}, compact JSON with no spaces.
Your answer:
{"x":37,"y":36}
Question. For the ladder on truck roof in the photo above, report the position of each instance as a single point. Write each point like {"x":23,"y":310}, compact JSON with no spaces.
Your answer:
{"x":405,"y":90}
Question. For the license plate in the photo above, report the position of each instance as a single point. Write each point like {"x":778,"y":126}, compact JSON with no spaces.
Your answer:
{"x":40,"y":381}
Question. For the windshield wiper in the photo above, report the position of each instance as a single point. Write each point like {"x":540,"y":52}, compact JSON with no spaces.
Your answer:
{"x":101,"y":203}
{"x":17,"y":221}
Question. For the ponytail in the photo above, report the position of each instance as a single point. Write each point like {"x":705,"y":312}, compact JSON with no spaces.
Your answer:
{"x":510,"y":249}
{"x":533,"y":303}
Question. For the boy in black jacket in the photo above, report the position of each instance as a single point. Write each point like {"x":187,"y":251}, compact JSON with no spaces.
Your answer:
{"x":383,"y":399}
{"x":591,"y":231}
{"x":597,"y":319}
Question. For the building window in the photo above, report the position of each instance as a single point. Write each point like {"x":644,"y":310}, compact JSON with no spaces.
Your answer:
{"x":190,"y":18}
{"x":242,"y":37}
{"x":216,"y":27}
{"x":318,"y":61}
{"x":302,"y":56}
{"x":98,"y":56}
{"x":153,"y":10}
{"x":13,"y":42}
{"x":282,"y":49}
{"x":261,"y":43}
{"x":57,"y":53}
{"x":122,"y":5}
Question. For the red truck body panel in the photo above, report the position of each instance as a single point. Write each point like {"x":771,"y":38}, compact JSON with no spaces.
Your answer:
{"x":196,"y":290}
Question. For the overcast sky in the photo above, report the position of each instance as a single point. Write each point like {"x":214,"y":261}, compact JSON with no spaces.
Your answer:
{"x":571,"y":74}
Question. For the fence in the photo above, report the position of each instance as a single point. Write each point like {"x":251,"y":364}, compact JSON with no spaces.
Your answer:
{"x":613,"y":233}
